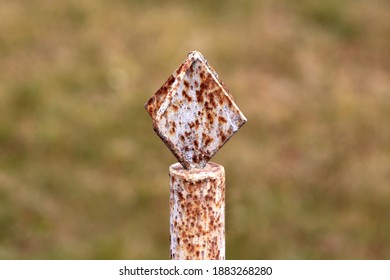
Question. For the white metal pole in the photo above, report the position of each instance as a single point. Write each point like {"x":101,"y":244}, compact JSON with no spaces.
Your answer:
{"x":197,"y":212}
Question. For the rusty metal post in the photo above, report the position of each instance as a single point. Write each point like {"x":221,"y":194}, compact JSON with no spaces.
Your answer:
{"x":194,"y":115}
{"x":197,"y":212}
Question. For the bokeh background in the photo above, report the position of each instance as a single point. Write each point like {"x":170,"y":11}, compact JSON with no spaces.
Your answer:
{"x":83,"y":175}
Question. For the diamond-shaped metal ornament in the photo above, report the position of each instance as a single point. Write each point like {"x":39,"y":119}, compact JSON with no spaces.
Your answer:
{"x":193,"y":113}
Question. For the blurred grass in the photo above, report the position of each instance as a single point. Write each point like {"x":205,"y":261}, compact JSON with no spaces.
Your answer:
{"x":83,"y":176}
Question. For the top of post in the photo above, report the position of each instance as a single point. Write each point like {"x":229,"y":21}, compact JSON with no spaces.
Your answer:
{"x":193,"y":113}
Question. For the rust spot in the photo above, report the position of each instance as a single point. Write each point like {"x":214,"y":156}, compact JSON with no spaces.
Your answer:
{"x":222,"y":136}
{"x":196,"y":144}
{"x":208,"y":140}
{"x":187,"y":133}
{"x":175,"y":108}
{"x":191,"y":187}
{"x":230,"y":103}
{"x":189,"y":98}
{"x":207,"y":106}
{"x":196,"y":84}
{"x":221,"y":119}
{"x":186,"y":83}
{"x":199,"y":96}
{"x":210,"y":118}
{"x":203,"y":87}
{"x":181,"y":137}
{"x":211,"y":97}
{"x":220,"y":100}
{"x":179,"y":69}
{"x":197,"y":123}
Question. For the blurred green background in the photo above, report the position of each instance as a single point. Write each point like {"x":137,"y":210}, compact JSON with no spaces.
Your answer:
{"x":83,"y":175}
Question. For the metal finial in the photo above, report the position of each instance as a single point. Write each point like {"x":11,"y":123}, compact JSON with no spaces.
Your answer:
{"x":193,"y":113}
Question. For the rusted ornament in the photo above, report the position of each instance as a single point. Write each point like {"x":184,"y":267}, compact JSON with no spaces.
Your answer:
{"x":193,"y":113}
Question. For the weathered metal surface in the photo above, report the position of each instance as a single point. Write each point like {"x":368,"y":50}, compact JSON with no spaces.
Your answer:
{"x":193,"y":113}
{"x":197,"y":212}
